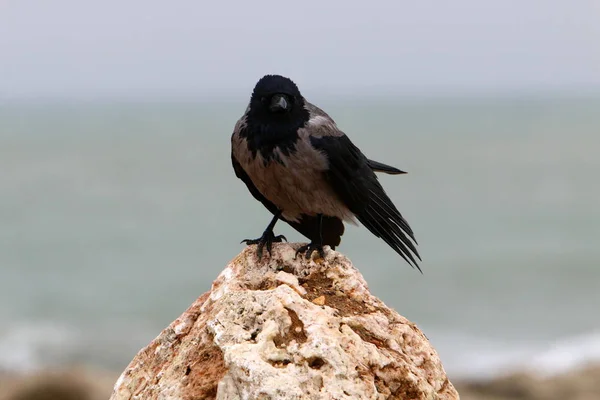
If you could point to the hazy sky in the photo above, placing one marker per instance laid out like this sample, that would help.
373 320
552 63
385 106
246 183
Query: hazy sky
107 48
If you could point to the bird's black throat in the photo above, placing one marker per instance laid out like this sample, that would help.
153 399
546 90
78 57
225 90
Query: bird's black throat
266 133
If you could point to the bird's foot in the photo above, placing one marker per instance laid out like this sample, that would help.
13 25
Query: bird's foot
267 239
310 248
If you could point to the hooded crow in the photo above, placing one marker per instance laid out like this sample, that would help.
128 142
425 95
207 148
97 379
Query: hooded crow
296 161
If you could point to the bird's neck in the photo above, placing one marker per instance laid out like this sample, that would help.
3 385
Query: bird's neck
266 139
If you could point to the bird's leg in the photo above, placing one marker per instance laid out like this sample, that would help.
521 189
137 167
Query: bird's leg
314 245
267 238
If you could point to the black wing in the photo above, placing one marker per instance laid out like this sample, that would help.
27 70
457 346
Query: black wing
381 167
332 227
351 176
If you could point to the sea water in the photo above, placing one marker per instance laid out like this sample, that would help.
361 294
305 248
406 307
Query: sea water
115 216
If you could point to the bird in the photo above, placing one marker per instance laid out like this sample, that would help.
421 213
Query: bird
295 160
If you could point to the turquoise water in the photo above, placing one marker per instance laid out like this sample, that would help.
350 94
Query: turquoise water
114 217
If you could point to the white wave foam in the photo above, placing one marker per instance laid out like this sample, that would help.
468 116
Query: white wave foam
23 346
567 354
480 358
26 346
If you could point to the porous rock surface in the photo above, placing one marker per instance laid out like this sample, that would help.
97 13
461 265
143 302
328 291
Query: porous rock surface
286 328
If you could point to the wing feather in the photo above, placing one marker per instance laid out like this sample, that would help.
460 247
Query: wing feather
351 176
381 167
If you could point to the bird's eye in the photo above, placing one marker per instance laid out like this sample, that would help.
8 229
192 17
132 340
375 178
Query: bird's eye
264 100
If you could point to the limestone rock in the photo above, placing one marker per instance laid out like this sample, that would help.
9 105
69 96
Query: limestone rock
286 328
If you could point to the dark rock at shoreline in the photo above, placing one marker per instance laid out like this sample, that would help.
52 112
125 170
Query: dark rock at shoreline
71 384
581 384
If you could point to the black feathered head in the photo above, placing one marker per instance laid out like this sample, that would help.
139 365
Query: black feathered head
276 112
277 98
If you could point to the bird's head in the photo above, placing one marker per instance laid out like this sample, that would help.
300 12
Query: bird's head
277 100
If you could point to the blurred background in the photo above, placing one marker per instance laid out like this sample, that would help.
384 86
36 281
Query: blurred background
119 206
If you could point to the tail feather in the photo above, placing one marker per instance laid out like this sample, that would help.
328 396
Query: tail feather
382 218
381 167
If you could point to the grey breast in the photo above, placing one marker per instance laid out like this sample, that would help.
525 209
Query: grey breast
297 184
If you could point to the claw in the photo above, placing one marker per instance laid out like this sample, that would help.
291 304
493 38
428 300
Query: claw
309 249
267 239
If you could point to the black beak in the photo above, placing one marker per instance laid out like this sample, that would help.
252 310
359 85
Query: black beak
279 103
